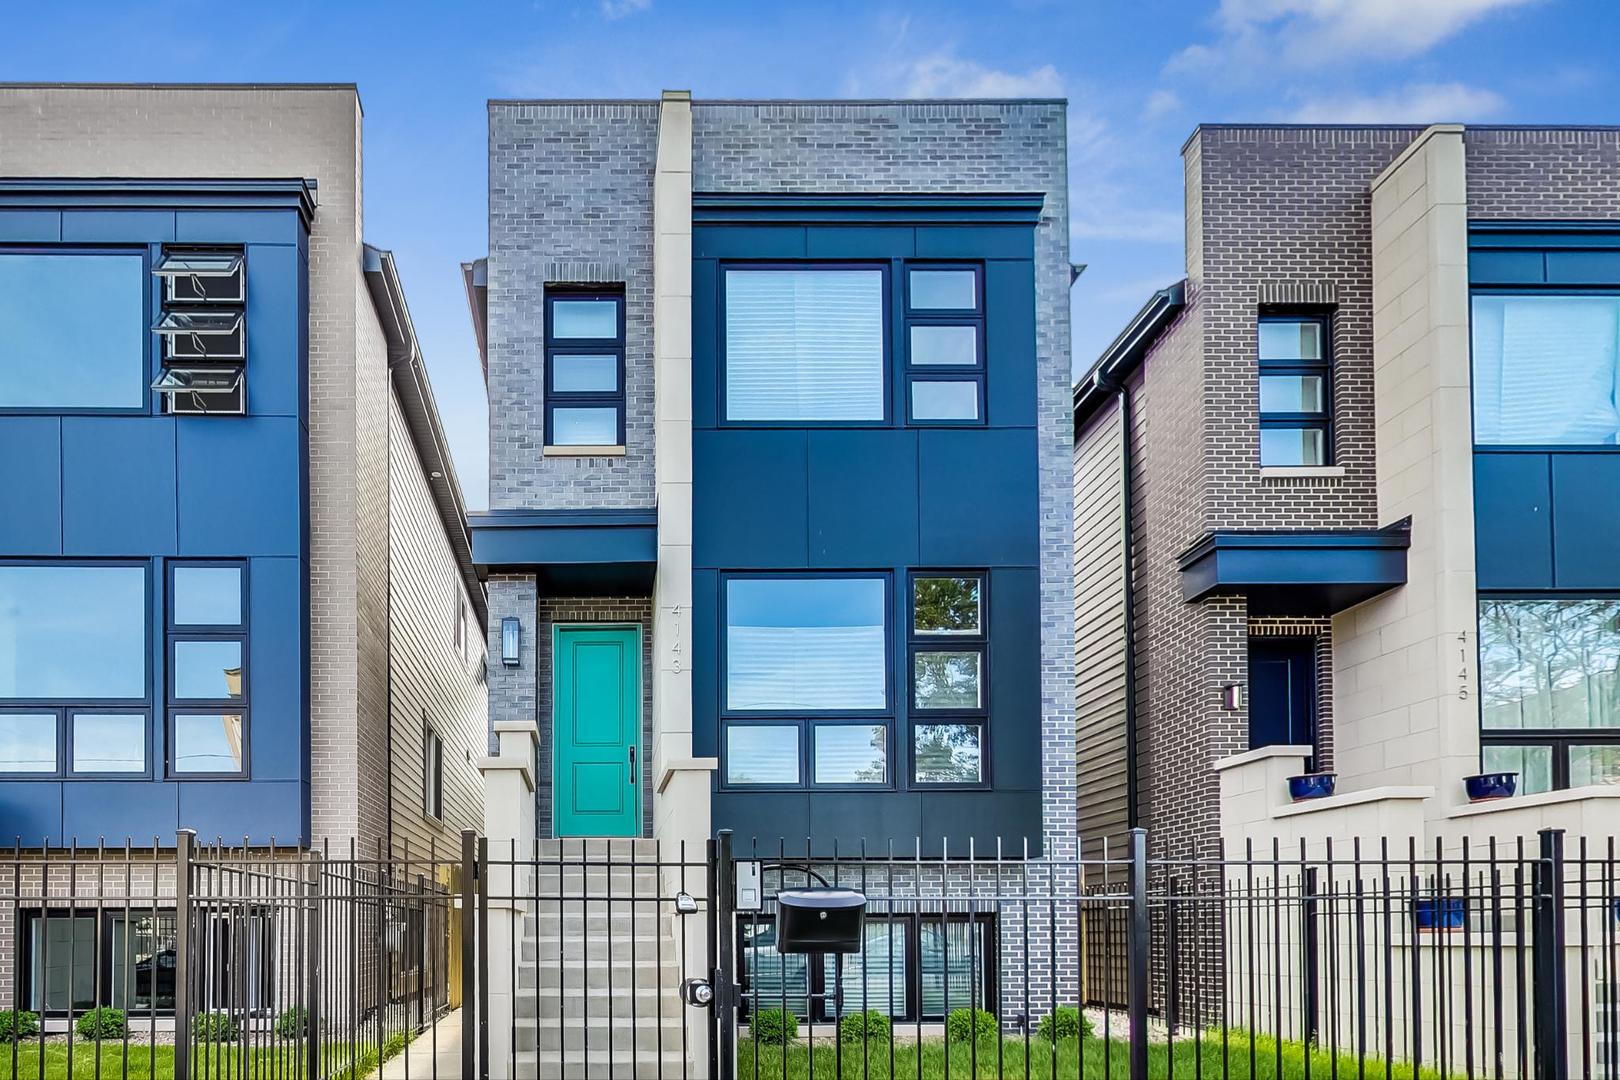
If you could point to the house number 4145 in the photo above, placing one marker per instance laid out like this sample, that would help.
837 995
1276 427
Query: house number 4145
1462 665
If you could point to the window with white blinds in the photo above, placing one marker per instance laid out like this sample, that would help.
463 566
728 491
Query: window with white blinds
804 344
1546 370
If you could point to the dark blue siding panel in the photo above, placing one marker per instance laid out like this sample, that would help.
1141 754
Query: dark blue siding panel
1586 521
706 662
276 689
978 503
236 227
239 491
30 226
1015 678
1583 267
749 510
1006 817
138 809
1010 343
1506 267
856 242
705 328
863 498
1513 521
850 819
117 226
976 242
767 817
31 812
231 810
118 494
272 327
749 242
31 494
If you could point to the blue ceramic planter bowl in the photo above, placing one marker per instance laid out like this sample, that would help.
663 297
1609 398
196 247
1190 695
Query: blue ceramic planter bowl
1441 913
1498 785
1312 785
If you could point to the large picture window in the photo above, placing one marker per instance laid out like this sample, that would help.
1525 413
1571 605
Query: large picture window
1545 369
73 632
73 331
806 644
1550 690
1295 391
805 344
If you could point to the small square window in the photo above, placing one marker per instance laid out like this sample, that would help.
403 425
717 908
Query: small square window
944 400
850 753
28 742
947 679
947 754
1292 394
762 754
1286 446
584 373
207 742
944 345
584 427
1291 339
109 742
944 290
207 671
945 605
592 319
207 596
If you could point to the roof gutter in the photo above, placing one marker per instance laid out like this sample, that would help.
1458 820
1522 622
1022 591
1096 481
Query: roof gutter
1126 351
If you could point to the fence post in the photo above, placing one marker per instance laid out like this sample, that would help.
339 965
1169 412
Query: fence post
469 954
725 997
312 968
483 969
1140 958
1551 991
1310 946
184 952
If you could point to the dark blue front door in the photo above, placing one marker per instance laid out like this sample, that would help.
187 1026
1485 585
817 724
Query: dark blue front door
1282 691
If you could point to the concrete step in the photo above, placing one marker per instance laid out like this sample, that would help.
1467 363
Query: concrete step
600 975
553 949
554 1066
602 850
597 1002
624 1038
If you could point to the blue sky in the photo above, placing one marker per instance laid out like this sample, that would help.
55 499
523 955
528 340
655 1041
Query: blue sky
1139 74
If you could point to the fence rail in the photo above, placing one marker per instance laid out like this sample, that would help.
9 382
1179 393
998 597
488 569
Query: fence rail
563 958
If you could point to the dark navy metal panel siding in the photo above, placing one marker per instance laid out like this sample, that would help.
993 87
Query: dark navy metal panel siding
118 485
1586 520
888 498
1513 521
30 226
31 494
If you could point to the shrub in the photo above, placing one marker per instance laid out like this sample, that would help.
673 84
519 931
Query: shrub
868 1026
1064 1022
213 1027
17 1024
102 1023
775 1026
293 1023
977 1025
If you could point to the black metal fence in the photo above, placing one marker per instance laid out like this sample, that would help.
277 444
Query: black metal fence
627 958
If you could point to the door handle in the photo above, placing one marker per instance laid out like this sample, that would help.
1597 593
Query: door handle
632 766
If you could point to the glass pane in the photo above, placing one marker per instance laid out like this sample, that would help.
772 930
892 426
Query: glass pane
951 958
207 742
946 680
1291 393
73 632
762 754
875 977
584 373
775 981
1289 340
947 754
1292 446
585 427
143 967
945 345
27 742
956 400
208 596
944 290
850 753
1549 663
585 319
1594 765
51 355
1545 369
804 345
1532 763
62 962
945 605
806 643
109 742
207 670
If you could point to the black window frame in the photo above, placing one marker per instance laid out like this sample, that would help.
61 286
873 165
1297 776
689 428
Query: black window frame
1322 368
104 918
821 996
974 317
432 769
1559 740
806 720
587 399
938 641
175 633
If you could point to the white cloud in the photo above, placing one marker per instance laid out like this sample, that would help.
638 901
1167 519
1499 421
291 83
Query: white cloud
620 9
1161 103
944 75
1420 103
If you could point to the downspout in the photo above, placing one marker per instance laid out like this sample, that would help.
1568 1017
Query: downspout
1127 467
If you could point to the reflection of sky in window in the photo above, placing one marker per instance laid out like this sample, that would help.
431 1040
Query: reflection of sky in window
109 742
1545 369
207 743
73 632
207 670
803 643
51 355
762 754
207 596
27 742
849 753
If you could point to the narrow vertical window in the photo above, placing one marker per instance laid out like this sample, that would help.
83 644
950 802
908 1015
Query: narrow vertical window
1296 422
584 369
432 773
208 669
948 670
945 344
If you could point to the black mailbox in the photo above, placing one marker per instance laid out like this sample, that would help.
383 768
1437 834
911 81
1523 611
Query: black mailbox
820 920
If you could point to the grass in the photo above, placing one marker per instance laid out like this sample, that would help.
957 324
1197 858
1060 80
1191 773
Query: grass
223 1062
1073 1060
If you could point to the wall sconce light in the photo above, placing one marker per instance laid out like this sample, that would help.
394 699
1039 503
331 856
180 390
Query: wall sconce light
511 639
1232 697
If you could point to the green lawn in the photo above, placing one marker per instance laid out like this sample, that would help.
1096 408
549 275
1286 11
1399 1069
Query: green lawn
1190 1061
211 1063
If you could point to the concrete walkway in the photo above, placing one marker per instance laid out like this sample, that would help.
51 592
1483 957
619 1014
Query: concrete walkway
432 1055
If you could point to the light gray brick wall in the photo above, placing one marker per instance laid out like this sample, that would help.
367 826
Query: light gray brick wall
570 201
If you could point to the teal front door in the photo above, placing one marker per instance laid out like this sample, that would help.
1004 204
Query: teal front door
596 731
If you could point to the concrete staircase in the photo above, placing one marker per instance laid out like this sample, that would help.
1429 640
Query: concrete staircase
598 970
